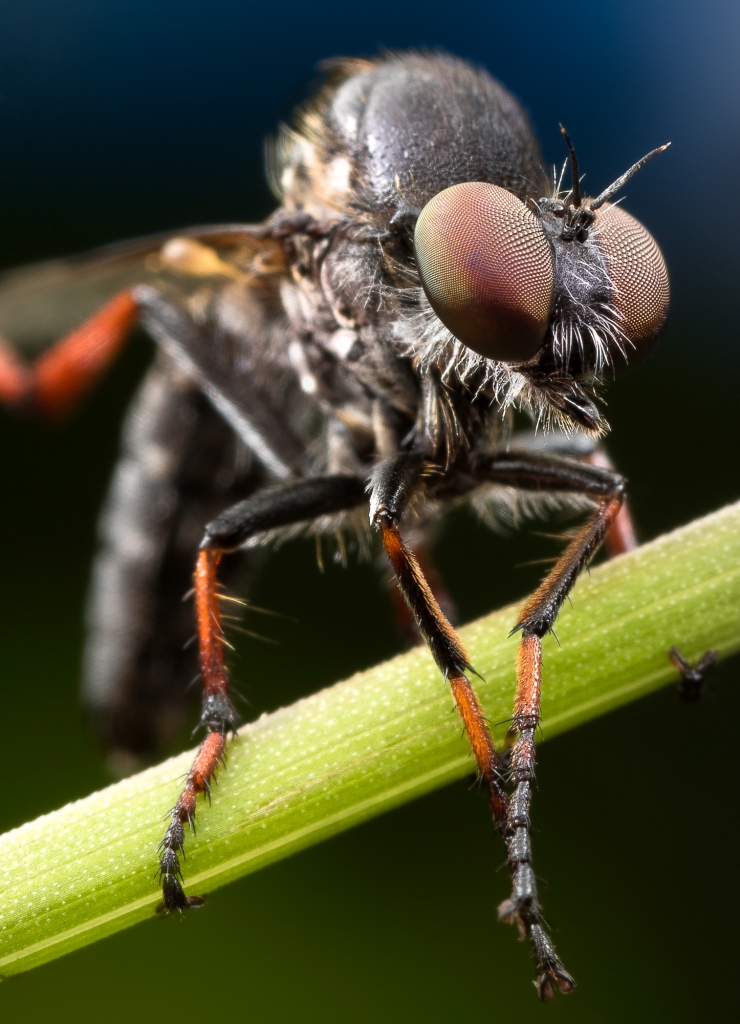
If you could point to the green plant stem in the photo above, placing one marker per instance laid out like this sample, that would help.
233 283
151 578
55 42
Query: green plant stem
363 746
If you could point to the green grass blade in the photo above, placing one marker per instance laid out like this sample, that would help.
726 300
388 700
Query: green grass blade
363 746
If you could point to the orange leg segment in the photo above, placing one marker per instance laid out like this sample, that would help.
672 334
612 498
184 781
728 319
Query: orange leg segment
53 385
479 734
621 536
218 717
15 377
451 657
62 375
208 615
402 612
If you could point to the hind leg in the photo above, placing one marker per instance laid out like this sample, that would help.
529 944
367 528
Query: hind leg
54 383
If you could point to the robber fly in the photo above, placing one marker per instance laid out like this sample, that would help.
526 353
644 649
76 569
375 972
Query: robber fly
364 352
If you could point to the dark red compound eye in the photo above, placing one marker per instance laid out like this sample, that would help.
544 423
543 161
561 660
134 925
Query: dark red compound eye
487 269
639 276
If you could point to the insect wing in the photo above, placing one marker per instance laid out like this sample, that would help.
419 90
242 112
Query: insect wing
42 302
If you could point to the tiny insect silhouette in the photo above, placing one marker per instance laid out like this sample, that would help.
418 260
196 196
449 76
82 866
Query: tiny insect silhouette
374 348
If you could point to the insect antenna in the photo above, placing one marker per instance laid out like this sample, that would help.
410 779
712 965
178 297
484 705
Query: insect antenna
575 198
624 178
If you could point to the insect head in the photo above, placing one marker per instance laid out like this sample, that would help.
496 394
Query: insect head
565 284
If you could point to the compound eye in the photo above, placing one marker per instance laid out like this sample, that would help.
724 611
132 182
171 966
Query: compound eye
639 277
487 269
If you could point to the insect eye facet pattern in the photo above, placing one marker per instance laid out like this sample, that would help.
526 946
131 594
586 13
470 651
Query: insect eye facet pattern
427 320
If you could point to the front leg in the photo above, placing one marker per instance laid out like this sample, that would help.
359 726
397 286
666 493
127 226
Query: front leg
394 484
300 501
546 473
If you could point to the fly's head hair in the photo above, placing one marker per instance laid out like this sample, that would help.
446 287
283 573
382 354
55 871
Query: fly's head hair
539 300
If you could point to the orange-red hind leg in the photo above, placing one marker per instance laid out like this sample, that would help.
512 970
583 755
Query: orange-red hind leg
54 384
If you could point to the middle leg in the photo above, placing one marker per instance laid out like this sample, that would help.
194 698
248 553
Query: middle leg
300 501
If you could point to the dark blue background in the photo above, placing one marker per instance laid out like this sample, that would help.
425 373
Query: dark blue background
123 117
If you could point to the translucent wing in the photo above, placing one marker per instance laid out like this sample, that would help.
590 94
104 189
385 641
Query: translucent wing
41 302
